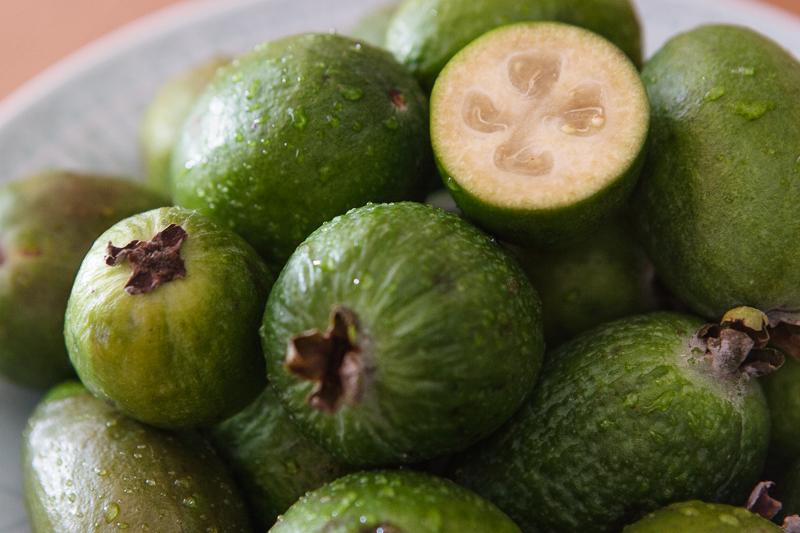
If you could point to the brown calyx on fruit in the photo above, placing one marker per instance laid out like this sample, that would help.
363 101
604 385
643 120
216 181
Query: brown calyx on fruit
398 100
761 503
791 524
785 331
738 344
332 360
154 262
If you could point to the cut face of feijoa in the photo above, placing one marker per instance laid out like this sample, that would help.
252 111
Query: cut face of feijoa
538 130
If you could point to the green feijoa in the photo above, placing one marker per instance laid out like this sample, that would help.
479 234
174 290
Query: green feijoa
601 278
700 517
628 417
398 333
393 502
47 223
299 131
539 131
718 203
87 467
782 390
273 461
371 28
163 319
163 120
425 34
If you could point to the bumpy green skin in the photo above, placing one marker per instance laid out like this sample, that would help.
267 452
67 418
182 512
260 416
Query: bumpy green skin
164 118
450 329
47 223
602 278
185 354
699 517
718 200
398 502
273 461
789 490
299 131
425 34
373 26
782 390
87 467
556 226
624 420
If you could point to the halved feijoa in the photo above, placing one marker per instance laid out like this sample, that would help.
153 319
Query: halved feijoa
393 502
274 462
627 417
163 319
539 130
399 332
48 222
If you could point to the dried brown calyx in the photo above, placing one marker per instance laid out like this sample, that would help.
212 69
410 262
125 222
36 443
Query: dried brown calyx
154 262
761 503
785 331
739 344
333 360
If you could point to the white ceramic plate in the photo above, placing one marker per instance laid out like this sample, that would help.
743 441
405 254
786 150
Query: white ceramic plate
83 113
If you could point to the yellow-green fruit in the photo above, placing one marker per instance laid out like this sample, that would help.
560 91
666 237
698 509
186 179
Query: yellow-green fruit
700 517
163 319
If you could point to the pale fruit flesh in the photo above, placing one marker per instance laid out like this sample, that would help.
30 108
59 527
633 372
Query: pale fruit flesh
535 116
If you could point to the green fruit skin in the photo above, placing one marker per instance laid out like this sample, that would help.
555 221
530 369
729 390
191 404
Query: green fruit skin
273 461
699 517
394 501
782 390
273 157
425 34
625 419
558 226
87 467
163 120
789 489
602 278
185 354
47 223
372 27
450 329
717 205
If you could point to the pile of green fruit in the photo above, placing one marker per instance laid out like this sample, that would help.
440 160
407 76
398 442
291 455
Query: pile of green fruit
276 332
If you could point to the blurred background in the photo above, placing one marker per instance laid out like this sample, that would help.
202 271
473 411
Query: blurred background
37 33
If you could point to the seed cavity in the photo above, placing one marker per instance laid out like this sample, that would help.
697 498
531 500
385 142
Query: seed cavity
480 113
584 113
524 160
534 73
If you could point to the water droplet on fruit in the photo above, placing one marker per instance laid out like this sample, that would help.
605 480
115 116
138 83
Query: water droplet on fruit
753 110
714 94
391 123
452 184
356 281
150 482
110 512
744 71
72 497
352 94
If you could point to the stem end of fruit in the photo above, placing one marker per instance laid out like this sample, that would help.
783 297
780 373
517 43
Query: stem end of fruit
332 360
154 262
